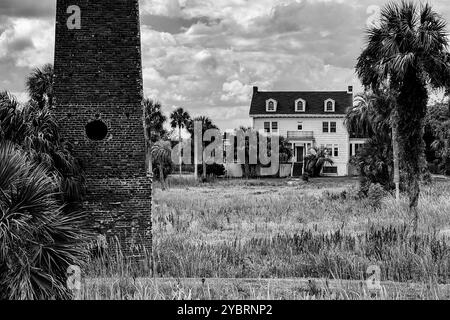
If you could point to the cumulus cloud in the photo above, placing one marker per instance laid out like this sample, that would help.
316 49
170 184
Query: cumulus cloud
27 8
28 42
236 91
205 55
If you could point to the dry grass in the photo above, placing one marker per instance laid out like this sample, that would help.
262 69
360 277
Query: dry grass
253 289
283 229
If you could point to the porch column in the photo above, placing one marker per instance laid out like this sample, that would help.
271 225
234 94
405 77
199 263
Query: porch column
293 159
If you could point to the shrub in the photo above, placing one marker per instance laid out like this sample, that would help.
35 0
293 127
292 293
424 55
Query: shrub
376 194
305 177
316 160
375 161
215 169
167 170
38 241
35 129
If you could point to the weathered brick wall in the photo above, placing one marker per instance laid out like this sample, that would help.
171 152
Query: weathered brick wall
101 62
121 153
98 76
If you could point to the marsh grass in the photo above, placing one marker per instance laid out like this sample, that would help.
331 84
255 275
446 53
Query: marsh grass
252 289
279 230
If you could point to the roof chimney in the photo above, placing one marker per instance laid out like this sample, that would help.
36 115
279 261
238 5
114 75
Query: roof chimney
255 90
350 90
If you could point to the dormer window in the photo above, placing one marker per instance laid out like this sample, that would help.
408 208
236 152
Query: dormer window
271 105
300 105
329 105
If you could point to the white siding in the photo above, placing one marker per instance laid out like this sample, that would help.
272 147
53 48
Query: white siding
340 138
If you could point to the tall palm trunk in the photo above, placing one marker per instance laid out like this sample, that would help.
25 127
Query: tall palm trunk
196 156
179 141
396 156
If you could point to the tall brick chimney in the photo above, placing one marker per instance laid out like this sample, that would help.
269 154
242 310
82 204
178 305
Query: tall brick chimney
98 98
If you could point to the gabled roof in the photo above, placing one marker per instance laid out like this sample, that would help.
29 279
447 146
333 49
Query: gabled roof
286 101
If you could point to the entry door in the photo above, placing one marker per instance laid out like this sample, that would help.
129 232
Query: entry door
299 158
300 154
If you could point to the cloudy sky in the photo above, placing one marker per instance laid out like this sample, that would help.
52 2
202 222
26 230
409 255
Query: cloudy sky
205 55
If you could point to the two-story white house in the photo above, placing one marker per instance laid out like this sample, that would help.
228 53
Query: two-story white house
308 119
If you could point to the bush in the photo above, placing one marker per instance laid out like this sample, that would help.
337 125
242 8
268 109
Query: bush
215 169
374 162
376 194
167 170
305 177
38 241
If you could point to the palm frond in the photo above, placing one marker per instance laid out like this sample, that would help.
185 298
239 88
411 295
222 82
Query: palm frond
38 241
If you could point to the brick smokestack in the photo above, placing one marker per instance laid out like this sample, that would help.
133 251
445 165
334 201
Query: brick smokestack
98 104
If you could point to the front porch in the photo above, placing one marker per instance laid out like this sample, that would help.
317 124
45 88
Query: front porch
301 142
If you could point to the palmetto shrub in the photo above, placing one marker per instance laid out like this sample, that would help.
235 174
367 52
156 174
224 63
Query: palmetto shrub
316 160
376 194
38 241
35 129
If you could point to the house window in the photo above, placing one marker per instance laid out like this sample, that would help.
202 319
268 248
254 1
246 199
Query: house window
329 127
274 126
329 105
267 127
333 127
271 105
336 150
330 170
300 126
300 105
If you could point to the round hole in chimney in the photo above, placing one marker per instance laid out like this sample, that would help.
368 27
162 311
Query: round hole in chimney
96 130
97 115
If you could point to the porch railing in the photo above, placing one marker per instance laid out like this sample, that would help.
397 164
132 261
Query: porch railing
300 135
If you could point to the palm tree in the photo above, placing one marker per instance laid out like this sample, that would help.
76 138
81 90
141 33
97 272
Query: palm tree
38 241
372 114
161 153
40 85
154 120
361 116
316 160
438 128
207 124
248 148
408 51
179 119
12 122
441 145
35 129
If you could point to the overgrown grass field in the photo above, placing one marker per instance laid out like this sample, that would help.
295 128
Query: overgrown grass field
280 229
